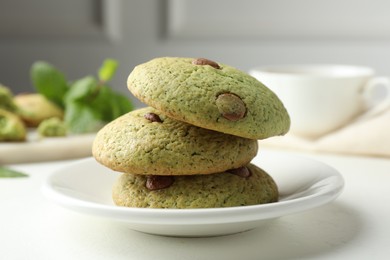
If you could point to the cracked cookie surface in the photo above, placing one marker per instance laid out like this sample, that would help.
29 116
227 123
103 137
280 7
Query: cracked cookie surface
210 95
197 191
145 141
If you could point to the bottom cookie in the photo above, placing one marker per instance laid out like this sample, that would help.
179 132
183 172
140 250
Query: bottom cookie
245 186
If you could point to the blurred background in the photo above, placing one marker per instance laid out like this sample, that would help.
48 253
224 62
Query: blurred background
76 36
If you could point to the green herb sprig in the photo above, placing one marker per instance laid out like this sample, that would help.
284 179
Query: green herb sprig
89 102
9 173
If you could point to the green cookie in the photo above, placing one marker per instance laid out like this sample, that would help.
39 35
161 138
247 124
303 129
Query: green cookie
210 95
11 127
145 141
197 191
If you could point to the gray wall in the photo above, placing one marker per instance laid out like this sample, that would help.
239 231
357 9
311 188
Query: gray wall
77 35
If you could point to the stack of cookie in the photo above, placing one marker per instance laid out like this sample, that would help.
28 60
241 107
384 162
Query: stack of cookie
193 146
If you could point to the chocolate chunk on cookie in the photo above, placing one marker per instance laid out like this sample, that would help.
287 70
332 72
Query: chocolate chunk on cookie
231 106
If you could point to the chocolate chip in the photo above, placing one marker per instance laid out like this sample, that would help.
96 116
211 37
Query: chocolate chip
243 172
203 61
231 106
157 182
152 117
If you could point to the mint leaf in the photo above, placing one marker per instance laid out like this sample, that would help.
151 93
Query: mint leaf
81 118
110 104
8 173
124 104
82 89
103 104
49 82
107 70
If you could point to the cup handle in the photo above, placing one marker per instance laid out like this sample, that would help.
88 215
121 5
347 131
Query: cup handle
373 105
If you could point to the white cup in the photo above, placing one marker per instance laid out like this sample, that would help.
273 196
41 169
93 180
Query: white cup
322 98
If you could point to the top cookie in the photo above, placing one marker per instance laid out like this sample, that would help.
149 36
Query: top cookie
210 95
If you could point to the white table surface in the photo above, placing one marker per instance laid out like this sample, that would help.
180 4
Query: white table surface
354 226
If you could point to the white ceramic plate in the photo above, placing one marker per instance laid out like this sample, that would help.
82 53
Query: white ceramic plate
85 186
36 149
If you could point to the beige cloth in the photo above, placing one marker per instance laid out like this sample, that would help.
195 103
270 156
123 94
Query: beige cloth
369 137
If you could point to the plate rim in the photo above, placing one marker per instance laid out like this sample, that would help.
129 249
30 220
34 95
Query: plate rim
200 216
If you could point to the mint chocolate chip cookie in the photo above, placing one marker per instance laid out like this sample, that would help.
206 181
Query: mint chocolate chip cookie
210 95
226 189
146 141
